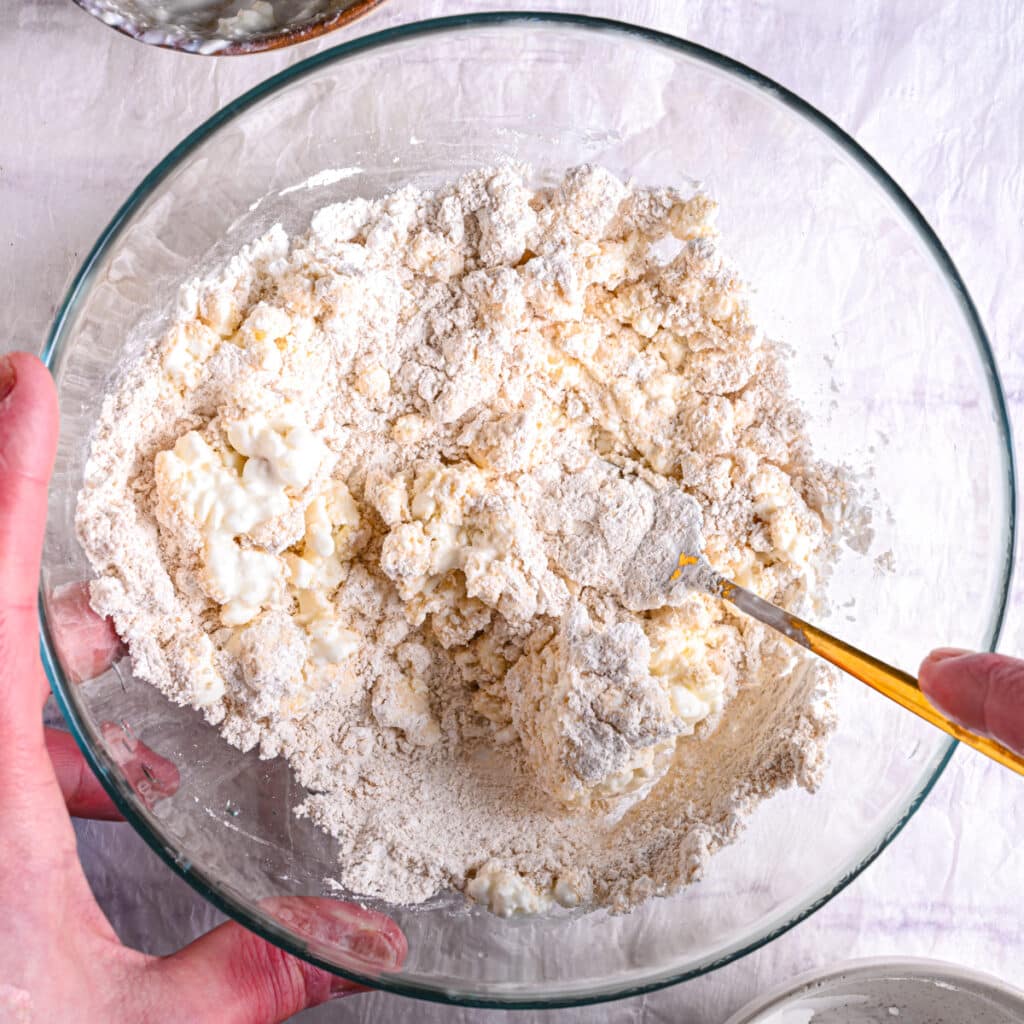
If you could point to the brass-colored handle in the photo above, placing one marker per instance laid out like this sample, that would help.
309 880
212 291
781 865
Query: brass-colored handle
898 686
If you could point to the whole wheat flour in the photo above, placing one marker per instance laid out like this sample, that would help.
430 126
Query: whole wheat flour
399 500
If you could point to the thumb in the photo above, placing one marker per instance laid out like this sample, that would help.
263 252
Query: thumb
231 976
983 692
28 439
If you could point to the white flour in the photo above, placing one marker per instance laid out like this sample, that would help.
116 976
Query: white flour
399 500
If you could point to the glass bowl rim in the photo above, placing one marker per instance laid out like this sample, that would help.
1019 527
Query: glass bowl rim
257 921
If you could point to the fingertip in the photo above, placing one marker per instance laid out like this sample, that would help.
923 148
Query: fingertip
152 776
84 797
366 940
945 653
931 677
948 679
28 443
86 644
28 415
983 692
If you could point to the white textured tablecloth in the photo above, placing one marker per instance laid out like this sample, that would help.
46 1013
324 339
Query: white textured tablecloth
935 91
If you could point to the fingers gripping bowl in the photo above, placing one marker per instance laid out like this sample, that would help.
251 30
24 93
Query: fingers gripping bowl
888 361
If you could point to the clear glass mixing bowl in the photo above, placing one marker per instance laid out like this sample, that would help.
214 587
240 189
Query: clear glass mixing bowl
889 359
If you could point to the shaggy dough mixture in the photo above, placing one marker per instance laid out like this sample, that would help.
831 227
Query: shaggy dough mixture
399 499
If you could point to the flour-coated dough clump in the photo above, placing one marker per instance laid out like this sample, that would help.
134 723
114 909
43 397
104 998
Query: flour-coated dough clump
400 498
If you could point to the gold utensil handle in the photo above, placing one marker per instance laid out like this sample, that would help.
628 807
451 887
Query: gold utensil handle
898 686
